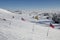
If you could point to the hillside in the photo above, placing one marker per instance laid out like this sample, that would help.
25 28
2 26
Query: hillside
17 29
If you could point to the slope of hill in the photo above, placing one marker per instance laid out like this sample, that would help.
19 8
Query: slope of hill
4 11
24 30
5 14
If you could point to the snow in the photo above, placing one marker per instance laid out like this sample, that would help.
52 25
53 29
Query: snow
17 29
4 11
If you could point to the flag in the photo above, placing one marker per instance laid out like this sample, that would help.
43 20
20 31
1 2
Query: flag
51 25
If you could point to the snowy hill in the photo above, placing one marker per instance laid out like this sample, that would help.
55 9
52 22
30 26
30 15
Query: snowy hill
5 14
4 11
17 29
23 30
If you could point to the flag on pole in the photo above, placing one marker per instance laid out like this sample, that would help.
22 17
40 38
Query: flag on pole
51 25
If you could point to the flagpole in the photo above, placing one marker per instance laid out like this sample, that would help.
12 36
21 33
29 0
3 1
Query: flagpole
48 31
33 27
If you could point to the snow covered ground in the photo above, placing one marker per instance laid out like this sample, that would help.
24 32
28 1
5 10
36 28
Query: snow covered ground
17 29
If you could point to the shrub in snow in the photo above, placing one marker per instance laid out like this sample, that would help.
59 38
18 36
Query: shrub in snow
23 19
13 17
36 17
56 18
4 19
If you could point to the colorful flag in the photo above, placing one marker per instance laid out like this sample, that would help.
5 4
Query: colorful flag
51 25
